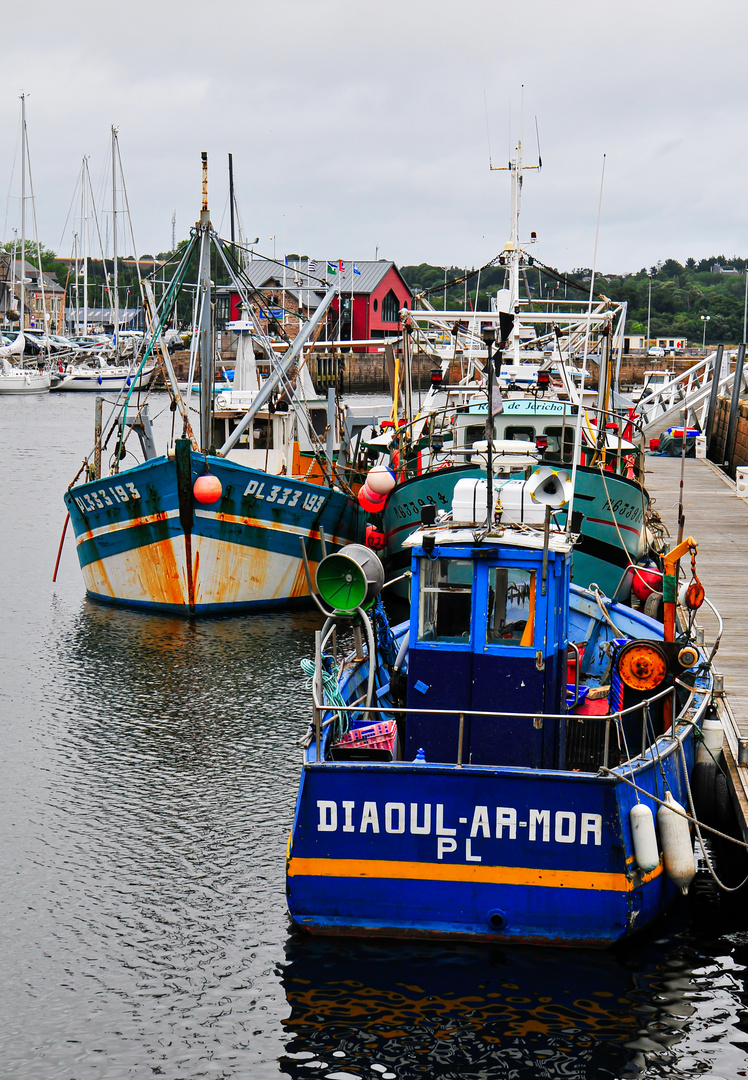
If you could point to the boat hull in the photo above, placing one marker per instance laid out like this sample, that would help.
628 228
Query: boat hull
103 381
25 382
612 531
143 541
500 854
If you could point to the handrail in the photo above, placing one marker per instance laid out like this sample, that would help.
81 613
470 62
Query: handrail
503 713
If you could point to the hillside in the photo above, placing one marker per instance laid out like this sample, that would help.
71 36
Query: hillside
680 294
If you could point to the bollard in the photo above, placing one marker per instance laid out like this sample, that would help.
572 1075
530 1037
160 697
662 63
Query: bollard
743 752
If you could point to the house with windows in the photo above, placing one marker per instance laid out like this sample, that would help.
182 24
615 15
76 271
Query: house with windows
671 343
42 291
369 298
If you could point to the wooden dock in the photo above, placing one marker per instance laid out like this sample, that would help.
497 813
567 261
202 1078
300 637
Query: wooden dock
718 520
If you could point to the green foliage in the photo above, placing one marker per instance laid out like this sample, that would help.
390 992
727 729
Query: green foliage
48 258
680 294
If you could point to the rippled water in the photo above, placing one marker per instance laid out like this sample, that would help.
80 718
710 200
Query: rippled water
147 782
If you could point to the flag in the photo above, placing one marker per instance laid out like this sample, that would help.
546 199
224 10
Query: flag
497 404
331 269
341 266
311 266
356 269
285 260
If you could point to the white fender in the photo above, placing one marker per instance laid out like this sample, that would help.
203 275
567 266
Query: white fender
676 844
711 729
643 834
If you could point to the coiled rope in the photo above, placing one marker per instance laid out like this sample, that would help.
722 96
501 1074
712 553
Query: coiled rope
331 695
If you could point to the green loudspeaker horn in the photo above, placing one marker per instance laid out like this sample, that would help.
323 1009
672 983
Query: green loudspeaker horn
350 578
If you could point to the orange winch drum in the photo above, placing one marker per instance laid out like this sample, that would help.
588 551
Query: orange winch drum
642 665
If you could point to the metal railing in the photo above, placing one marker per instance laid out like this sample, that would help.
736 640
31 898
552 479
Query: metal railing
324 714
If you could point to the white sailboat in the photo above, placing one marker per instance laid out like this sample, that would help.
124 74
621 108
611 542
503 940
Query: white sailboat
103 370
15 378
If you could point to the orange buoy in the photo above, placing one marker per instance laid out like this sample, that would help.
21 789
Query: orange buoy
207 488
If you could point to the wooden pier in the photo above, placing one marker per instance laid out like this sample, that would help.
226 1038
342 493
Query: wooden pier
718 520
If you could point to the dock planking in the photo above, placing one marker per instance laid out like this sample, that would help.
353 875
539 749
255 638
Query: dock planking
718 521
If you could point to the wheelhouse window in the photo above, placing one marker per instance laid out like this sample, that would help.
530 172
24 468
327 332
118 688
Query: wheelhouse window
262 434
555 436
511 606
520 434
446 600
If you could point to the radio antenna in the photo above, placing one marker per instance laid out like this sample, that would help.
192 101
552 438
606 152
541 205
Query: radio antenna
537 136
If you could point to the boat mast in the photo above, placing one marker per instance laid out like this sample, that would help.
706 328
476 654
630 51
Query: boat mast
512 254
513 247
85 181
205 317
114 243
23 212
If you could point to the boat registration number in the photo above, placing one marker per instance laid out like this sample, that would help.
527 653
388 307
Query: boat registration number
284 496
624 509
413 508
111 495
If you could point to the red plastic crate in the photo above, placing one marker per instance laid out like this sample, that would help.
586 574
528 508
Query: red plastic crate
379 736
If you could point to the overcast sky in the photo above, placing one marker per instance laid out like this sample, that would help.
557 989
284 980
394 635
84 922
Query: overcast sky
360 127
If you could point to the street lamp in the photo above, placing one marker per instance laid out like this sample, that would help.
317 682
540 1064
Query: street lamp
705 319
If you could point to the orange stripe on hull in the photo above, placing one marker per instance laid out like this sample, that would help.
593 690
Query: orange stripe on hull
490 875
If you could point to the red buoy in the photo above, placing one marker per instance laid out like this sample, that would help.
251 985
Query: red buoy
207 488
371 502
645 582
375 538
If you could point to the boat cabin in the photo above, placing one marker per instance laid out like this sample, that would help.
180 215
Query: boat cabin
488 632
533 420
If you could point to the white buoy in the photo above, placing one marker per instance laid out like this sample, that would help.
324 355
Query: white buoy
644 837
676 843
381 480
711 747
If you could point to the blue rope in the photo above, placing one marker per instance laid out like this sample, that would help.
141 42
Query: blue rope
386 643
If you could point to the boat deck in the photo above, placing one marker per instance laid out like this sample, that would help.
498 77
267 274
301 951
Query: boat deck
718 521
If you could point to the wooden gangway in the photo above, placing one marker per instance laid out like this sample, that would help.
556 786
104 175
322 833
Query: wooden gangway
718 520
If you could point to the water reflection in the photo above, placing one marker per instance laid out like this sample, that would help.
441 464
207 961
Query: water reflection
424 1010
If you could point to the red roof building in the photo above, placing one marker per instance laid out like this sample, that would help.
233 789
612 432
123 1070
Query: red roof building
370 297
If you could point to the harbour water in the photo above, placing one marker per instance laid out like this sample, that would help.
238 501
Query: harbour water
148 772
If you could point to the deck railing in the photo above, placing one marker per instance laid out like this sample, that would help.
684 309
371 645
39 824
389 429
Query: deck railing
688 714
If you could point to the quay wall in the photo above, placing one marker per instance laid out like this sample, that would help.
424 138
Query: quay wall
719 436
367 372
350 372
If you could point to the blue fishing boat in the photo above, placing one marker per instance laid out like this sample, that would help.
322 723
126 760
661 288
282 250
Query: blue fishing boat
493 768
